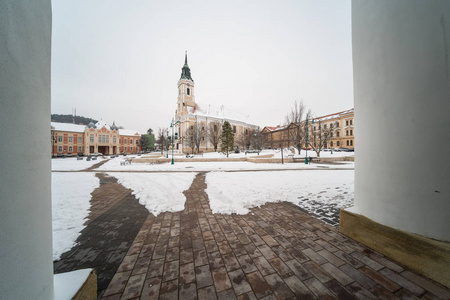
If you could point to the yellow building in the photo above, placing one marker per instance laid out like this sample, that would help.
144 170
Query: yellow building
334 130
72 139
201 124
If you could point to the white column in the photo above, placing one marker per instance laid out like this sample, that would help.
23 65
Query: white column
401 65
26 269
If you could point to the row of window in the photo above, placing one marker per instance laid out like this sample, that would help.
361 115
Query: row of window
60 139
60 149
349 143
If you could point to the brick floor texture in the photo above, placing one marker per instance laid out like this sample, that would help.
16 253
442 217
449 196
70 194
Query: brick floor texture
276 251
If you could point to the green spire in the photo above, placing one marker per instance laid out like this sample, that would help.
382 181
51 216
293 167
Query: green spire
185 71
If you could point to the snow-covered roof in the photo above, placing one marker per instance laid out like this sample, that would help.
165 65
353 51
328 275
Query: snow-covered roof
128 132
335 115
69 127
219 112
100 124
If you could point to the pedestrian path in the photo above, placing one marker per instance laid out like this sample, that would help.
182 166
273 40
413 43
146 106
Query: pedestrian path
275 252
115 219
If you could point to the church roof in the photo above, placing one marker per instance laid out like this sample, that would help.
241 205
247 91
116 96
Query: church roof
218 112
185 71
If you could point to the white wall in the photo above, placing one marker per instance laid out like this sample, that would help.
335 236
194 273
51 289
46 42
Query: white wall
26 269
401 67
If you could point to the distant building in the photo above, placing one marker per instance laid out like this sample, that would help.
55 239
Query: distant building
206 120
339 125
73 139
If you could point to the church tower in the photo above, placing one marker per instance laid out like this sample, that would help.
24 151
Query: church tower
186 96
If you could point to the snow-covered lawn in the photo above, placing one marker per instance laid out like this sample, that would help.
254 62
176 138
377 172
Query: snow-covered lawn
158 192
72 164
236 192
71 195
114 165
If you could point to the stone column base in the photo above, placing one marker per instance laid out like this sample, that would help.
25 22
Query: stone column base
426 256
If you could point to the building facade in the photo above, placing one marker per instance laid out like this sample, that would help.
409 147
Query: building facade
338 128
73 139
201 124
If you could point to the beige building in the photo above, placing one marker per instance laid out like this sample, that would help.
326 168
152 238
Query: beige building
72 139
339 128
203 123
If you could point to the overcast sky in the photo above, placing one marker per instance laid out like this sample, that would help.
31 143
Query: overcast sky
121 60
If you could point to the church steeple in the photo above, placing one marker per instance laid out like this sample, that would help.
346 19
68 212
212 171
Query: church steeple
185 71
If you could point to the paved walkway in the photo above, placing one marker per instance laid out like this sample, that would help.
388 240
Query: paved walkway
115 219
275 252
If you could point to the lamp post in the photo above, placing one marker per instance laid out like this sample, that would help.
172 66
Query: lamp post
172 138
306 145
53 144
167 144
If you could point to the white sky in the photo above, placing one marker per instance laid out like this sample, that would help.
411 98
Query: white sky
121 60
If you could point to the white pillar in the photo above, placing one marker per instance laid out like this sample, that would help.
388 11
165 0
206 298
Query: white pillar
26 269
401 65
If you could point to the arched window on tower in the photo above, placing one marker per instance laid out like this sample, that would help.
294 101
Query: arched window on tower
188 91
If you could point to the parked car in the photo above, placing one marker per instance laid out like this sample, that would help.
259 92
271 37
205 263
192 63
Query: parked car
96 154
343 149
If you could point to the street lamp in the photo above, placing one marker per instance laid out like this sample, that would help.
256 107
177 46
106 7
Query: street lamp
306 144
53 144
172 124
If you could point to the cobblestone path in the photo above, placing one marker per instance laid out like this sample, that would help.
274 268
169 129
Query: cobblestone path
275 252
114 221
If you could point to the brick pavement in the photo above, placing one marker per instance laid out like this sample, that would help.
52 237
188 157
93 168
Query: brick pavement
275 252
113 223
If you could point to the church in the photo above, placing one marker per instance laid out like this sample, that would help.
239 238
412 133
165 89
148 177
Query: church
196 121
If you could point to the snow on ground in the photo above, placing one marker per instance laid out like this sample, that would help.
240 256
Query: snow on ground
114 165
71 195
72 164
312 190
158 192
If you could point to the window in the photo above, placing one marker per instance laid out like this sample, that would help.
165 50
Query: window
188 91
351 132
314 127
246 131
70 139
59 149
325 127
346 132
348 143
92 138
351 122
131 142
60 138
70 149
203 138
331 134
114 139
192 127
338 144
215 127
337 125
79 149
125 148
337 134
80 139
331 125
103 138
234 129
131 149
346 123
107 139
351 142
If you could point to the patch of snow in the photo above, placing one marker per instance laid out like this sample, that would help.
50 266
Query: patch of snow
67 127
158 192
71 195
72 164
238 191
66 285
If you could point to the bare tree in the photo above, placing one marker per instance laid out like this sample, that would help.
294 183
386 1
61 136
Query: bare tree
320 134
199 134
161 138
194 136
189 140
215 134
296 130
